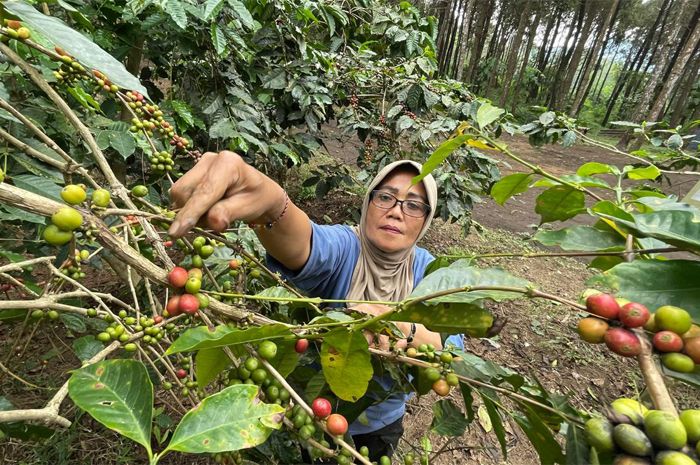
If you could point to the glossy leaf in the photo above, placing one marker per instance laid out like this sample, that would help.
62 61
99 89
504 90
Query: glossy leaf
448 419
346 363
487 114
692 378
232 419
582 181
657 282
679 228
86 347
208 363
440 154
77 45
461 274
577 448
559 203
118 394
584 238
540 436
647 172
203 338
495 418
593 167
448 317
509 186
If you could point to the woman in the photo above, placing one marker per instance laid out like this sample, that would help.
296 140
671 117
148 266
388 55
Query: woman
376 261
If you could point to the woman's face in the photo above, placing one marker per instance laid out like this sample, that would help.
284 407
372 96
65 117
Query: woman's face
392 230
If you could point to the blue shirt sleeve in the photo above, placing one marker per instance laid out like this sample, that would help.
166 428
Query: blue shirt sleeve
328 270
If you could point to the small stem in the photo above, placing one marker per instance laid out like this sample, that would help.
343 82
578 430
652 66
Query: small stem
314 300
536 169
563 254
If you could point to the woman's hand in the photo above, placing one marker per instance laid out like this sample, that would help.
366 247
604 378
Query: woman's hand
220 189
422 335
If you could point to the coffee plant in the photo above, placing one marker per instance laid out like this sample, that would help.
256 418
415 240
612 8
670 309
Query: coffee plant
203 322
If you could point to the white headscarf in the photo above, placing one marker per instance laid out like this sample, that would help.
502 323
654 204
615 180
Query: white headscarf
387 276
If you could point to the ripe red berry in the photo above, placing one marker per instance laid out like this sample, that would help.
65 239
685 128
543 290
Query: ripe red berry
337 424
189 304
668 341
173 306
301 345
177 277
603 305
181 373
168 243
321 407
157 319
634 315
623 342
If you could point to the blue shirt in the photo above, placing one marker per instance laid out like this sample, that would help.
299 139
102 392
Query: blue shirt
327 274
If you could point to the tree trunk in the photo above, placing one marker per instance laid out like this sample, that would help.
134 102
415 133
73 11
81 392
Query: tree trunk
565 55
662 58
687 31
677 69
563 90
526 57
622 81
598 48
480 34
603 78
681 101
514 51
463 40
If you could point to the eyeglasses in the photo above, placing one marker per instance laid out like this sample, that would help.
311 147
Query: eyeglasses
386 201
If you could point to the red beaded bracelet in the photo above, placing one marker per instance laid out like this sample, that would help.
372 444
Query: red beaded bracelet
272 223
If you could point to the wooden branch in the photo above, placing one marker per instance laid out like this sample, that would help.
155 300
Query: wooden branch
32 152
39 205
116 186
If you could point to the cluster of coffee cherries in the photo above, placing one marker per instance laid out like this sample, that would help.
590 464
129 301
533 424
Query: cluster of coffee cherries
117 331
15 30
633 434
675 336
442 379
72 268
191 300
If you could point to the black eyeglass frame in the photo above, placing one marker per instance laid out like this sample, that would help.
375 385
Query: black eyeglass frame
401 203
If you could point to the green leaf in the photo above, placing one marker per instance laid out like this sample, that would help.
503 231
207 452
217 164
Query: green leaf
577 449
448 420
568 139
584 238
582 181
440 154
487 114
592 167
547 118
403 123
176 11
278 292
211 8
38 185
218 38
559 203
86 347
21 430
495 417
540 436
123 143
208 363
509 186
657 282
77 45
346 363
83 98
243 13
462 274
74 322
184 111
286 359
676 227
232 419
118 394
448 317
202 338
648 172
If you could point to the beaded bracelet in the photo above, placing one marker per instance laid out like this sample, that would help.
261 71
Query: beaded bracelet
273 222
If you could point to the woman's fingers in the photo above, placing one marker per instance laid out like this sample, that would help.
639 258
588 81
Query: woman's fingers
211 188
184 187
229 209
